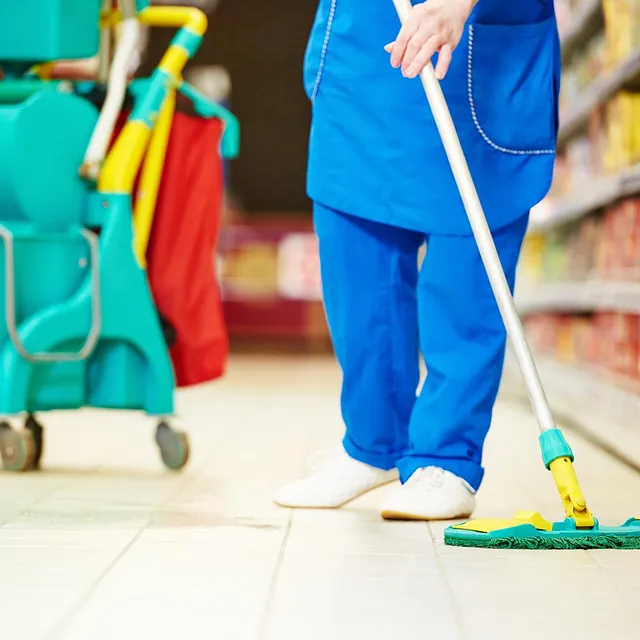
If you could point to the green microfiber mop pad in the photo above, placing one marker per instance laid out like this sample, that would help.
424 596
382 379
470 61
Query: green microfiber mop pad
564 535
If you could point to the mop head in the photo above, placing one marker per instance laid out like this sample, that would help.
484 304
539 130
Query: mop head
532 531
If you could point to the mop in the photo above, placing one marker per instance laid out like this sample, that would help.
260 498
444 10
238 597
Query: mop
527 530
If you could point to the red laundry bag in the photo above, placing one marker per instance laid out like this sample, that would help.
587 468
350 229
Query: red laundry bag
181 264
182 249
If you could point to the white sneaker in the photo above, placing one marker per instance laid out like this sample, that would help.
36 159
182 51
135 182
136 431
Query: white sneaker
338 481
430 494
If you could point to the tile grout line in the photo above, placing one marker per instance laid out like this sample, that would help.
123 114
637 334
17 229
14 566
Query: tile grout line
46 496
268 607
59 629
461 631
42 471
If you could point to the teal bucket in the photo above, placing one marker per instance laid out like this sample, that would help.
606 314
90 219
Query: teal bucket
40 30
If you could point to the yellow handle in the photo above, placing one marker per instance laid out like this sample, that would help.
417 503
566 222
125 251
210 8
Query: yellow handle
188 17
121 165
150 180
575 504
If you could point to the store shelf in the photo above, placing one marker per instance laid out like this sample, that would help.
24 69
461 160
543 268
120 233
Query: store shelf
581 297
596 195
587 22
604 408
575 117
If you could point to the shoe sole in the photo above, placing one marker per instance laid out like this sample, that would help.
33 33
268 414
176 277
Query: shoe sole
412 517
338 506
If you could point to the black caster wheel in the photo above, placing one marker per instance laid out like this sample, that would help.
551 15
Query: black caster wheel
17 449
37 433
174 446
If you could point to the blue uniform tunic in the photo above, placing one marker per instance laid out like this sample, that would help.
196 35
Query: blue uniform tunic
374 148
382 186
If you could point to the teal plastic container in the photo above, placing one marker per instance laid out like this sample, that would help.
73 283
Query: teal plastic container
44 205
43 141
42 202
33 31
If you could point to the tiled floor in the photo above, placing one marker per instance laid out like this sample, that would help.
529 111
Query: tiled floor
106 544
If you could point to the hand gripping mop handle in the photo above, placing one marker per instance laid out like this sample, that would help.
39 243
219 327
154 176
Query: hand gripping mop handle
483 237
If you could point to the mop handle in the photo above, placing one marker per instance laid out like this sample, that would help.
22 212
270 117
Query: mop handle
483 237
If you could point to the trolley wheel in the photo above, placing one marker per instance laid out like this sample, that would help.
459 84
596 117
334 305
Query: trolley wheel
17 449
173 445
37 433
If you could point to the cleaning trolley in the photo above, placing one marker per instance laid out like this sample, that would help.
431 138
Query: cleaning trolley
79 326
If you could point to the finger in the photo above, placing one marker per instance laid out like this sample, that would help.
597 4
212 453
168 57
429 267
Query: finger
444 60
423 57
389 47
407 32
400 47
415 46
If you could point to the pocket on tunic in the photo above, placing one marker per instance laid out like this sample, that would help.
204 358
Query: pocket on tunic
317 44
512 77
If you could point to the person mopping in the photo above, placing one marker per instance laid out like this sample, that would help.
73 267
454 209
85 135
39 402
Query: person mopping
381 186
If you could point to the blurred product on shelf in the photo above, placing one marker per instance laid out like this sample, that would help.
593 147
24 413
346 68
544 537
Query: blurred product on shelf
610 144
584 68
610 141
621 240
622 29
605 246
622 132
605 341
270 279
580 268
575 15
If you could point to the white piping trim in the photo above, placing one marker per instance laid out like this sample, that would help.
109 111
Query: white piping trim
474 115
325 47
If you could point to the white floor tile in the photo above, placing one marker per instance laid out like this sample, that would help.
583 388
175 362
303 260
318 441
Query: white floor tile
104 543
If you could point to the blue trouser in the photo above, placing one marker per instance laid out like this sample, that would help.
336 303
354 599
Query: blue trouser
382 310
